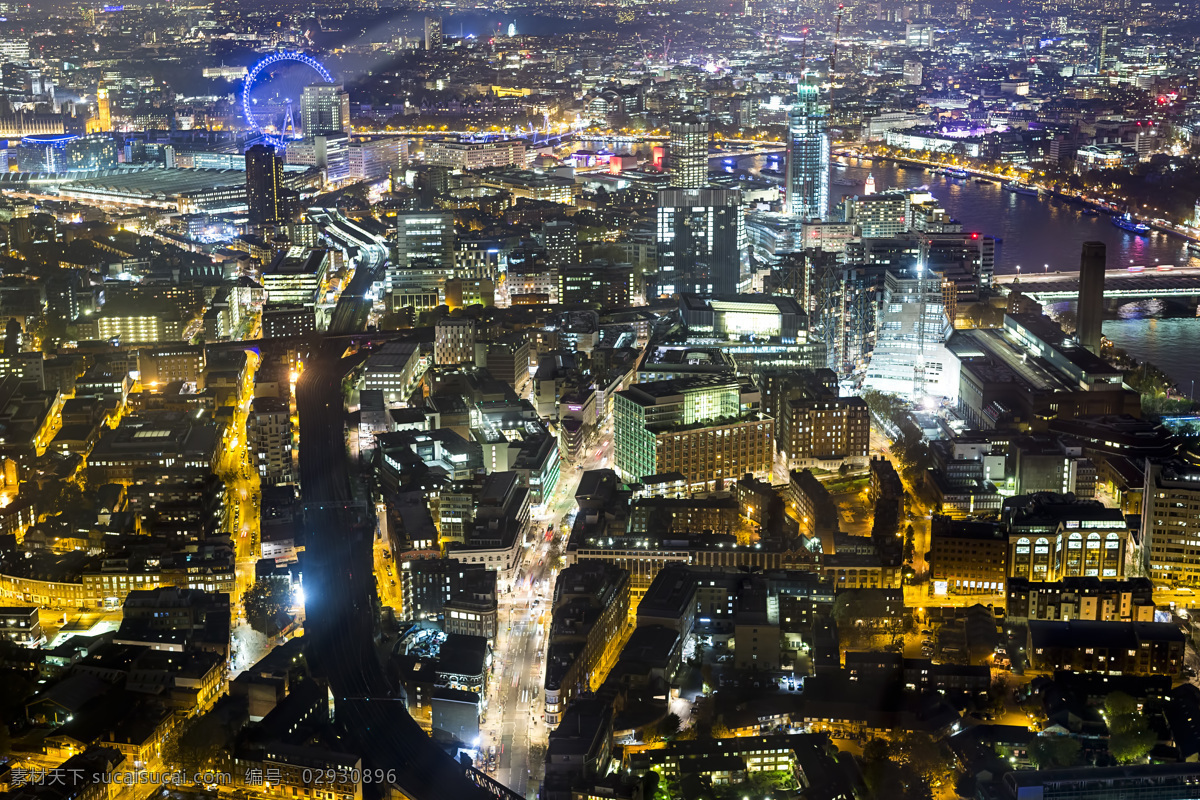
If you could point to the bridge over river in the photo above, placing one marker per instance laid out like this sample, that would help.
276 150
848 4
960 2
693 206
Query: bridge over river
1130 283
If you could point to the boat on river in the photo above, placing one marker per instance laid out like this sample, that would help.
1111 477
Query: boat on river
1021 188
1127 222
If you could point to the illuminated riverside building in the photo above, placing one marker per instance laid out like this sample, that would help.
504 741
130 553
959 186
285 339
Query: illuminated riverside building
878 215
459 154
708 429
807 191
324 109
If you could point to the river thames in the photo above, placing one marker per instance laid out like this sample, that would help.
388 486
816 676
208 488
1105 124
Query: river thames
1036 232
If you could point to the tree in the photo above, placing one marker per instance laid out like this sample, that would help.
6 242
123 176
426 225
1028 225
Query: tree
266 604
1047 752
193 747
1132 746
887 773
857 605
1130 736
997 695
1119 705
922 753
668 726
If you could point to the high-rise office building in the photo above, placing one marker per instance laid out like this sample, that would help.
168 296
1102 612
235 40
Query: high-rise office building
264 183
687 154
1106 55
324 109
14 51
330 153
1090 313
700 237
424 236
910 357
914 72
433 33
807 192
560 238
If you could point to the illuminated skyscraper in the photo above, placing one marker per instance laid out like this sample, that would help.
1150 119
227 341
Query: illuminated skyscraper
264 184
1106 57
700 238
808 154
433 33
324 109
687 154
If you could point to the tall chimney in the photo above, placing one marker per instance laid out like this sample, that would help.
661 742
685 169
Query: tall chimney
1090 313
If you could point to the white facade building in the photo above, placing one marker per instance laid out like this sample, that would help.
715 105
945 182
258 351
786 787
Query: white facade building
910 357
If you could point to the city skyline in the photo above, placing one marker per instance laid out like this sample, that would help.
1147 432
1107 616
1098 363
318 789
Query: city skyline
570 401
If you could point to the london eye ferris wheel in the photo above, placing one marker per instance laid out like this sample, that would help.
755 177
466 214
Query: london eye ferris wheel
265 125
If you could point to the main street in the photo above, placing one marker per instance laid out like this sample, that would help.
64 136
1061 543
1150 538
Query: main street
515 721
243 494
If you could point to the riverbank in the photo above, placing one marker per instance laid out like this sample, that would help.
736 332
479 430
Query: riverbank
1109 209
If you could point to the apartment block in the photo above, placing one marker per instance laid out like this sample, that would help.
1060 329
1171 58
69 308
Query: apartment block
269 436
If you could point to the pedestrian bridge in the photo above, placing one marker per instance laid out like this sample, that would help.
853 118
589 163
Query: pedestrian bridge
1131 283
